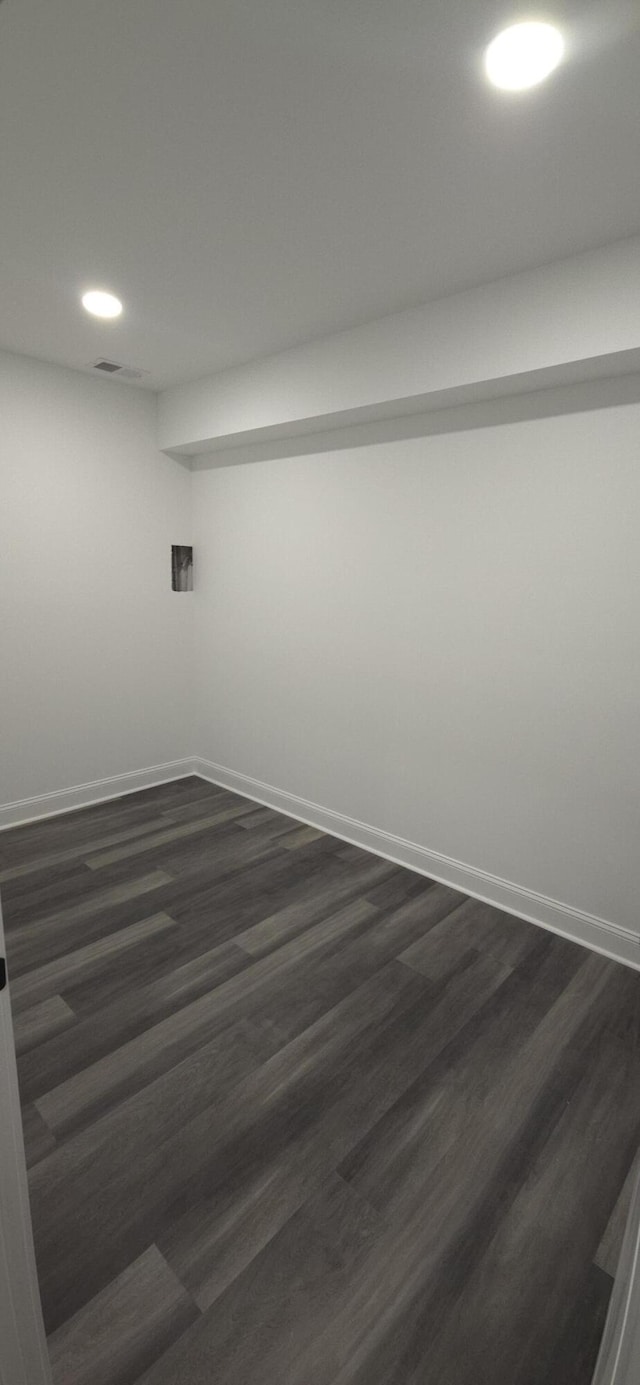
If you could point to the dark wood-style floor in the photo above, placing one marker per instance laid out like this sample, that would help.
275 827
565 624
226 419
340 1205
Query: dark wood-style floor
296 1116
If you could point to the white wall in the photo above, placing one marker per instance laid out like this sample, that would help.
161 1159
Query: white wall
95 649
440 637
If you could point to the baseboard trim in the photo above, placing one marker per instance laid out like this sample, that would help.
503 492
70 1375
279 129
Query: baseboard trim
47 805
598 934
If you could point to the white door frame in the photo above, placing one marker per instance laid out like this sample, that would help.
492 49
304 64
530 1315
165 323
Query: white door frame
23 1350
619 1359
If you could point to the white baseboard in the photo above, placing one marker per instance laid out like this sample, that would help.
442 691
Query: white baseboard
82 795
610 939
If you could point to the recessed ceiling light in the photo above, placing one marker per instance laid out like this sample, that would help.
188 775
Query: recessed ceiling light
523 55
101 304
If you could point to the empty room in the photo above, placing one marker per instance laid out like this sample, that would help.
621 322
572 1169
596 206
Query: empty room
320 664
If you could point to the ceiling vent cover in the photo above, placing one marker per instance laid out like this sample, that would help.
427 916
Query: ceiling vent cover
124 372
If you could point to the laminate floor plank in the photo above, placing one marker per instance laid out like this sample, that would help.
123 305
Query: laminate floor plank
472 924
295 1114
215 896
435 1111
30 894
108 1029
295 918
224 858
361 1063
322 980
161 1045
146 961
284 1297
104 1208
496 1318
436 1223
190 809
352 854
267 817
50 937
21 845
402 885
39 1140
158 959
213 1156
70 885
37 984
122 1330
271 831
301 836
211 854
209 912
42 1021
165 837
180 971
172 794
76 852
79 825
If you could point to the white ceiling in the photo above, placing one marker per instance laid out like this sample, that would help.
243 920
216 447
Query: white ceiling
249 174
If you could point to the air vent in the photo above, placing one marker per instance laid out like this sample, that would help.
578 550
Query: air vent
124 372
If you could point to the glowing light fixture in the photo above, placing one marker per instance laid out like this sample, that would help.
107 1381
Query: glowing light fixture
101 304
523 55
